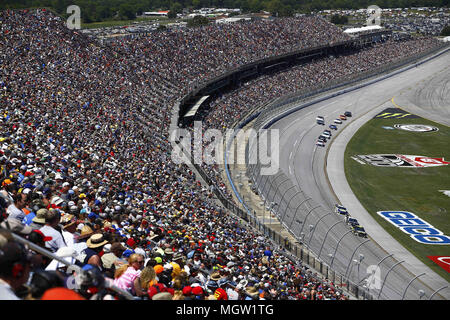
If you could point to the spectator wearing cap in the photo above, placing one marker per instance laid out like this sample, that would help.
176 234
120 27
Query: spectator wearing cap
15 210
41 281
61 293
158 288
220 294
198 292
64 191
14 270
112 260
92 254
158 269
52 219
124 276
39 220
39 261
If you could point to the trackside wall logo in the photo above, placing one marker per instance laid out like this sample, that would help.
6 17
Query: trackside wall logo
442 261
418 229
400 160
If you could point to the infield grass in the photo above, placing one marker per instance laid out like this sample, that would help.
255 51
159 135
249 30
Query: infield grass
404 189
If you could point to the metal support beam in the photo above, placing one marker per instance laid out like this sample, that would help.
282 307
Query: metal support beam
404 292
326 234
337 245
315 227
351 258
437 292
382 285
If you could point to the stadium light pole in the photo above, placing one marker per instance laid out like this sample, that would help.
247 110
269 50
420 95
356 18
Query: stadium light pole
357 247
421 294
409 283
385 277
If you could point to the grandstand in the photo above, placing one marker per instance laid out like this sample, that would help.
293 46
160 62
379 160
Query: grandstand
86 135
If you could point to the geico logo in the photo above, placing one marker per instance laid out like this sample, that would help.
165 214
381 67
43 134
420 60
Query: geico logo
418 229
435 239
396 214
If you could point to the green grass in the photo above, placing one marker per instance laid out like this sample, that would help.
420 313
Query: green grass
405 189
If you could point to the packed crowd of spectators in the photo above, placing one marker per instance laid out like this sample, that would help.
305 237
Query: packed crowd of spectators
232 106
86 169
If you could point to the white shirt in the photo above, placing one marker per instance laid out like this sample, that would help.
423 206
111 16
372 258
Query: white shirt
57 238
15 213
68 238
6 292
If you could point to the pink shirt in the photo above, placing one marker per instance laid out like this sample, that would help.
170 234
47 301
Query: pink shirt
125 281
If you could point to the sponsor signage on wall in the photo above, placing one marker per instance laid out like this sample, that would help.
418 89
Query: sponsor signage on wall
417 228
400 160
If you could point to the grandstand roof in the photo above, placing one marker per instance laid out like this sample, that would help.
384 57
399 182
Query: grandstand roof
194 109
361 29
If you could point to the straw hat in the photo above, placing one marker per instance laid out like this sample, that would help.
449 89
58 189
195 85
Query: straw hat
40 216
96 240
86 232
215 276
252 291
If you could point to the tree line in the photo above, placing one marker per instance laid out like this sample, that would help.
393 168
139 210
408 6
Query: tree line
101 10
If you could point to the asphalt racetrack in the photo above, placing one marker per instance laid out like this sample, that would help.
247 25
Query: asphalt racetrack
318 171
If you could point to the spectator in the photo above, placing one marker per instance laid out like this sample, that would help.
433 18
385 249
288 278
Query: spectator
52 219
124 276
92 254
15 210
14 270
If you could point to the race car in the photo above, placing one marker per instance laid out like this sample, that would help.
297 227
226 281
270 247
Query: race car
320 120
341 210
337 121
320 143
347 114
332 126
352 222
359 231
326 134
342 117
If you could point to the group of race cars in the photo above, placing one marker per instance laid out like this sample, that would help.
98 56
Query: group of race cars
326 134
352 222
323 138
